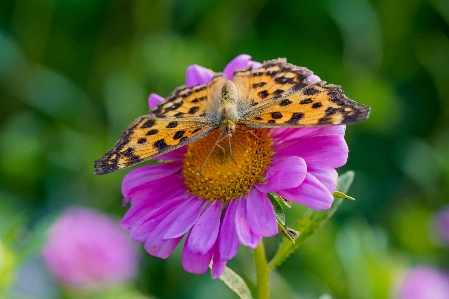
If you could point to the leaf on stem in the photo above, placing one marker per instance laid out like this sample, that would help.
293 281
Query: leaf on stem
311 221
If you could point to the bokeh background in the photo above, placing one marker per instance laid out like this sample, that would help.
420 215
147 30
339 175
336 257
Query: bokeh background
74 74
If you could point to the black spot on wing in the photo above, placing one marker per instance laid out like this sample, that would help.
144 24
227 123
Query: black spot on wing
306 101
196 130
194 109
152 132
263 94
179 134
285 102
284 80
310 91
172 124
148 124
276 115
160 145
173 107
295 118
141 140
316 105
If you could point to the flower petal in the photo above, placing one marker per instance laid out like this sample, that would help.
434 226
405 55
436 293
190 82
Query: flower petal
218 264
175 155
244 233
286 173
261 217
330 150
311 193
191 212
205 231
138 177
194 262
197 75
313 79
161 248
154 100
240 62
228 242
147 224
327 175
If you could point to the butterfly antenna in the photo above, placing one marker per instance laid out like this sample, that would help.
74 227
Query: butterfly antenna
208 155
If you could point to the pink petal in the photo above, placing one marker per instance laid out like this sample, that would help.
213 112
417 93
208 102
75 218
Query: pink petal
197 75
194 262
163 188
244 233
147 224
176 155
205 231
311 193
261 217
147 174
327 175
218 264
161 248
155 243
330 150
240 62
313 79
154 100
228 242
191 212
286 173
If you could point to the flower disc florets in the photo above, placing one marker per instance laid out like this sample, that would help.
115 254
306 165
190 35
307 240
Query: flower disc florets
225 176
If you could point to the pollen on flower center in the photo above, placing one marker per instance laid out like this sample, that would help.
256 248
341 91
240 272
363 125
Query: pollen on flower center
225 177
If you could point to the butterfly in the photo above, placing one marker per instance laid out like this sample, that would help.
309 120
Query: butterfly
276 95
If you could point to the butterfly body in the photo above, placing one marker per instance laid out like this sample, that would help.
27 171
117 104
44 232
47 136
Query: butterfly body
277 95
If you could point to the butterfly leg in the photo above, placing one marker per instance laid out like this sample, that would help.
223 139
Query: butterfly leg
230 149
208 155
251 132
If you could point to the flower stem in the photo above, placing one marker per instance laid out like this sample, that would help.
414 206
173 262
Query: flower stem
262 271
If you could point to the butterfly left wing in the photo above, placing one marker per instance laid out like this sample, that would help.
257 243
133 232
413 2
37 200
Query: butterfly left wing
314 105
148 137
190 101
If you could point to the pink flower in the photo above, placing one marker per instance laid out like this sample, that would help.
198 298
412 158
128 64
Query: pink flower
424 283
169 200
85 248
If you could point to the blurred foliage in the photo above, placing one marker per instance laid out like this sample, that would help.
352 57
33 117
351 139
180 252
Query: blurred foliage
73 74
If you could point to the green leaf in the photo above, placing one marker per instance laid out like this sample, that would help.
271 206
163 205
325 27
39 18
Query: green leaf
289 233
278 210
235 283
339 194
310 222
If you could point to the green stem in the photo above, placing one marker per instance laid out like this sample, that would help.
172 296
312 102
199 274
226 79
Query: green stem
262 271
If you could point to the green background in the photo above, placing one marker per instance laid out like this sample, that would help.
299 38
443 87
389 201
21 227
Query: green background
74 74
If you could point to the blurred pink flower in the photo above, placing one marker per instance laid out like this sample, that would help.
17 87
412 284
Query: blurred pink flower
85 248
298 164
424 283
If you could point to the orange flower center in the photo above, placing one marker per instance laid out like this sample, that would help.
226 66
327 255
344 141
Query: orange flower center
225 176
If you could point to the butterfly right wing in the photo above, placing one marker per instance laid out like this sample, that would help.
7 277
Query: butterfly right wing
190 101
148 137
270 81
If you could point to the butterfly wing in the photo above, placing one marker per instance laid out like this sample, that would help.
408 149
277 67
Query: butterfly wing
314 105
190 101
148 137
270 81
